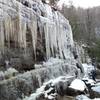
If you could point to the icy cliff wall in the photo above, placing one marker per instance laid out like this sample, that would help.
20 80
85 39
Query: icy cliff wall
81 51
32 30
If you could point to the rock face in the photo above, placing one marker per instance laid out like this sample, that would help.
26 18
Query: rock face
81 52
31 31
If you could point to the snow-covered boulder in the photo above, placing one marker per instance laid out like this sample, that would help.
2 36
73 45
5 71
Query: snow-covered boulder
78 84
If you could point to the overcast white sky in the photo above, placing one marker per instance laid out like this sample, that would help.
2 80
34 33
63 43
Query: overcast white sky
82 3
86 3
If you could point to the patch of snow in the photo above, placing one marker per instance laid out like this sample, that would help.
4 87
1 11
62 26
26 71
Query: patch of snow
11 72
52 61
88 67
84 45
87 77
57 80
82 97
47 1
98 84
37 66
96 88
50 97
89 81
78 85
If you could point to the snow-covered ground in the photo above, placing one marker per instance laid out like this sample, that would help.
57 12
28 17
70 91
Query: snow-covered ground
51 83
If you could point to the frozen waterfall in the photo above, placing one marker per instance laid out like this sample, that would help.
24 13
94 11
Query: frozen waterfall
19 16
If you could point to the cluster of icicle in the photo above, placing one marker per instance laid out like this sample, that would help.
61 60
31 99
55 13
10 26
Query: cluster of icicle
56 28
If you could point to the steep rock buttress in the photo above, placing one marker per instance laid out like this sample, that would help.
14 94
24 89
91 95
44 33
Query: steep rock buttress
30 32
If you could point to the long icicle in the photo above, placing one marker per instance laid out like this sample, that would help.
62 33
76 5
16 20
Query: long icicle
1 36
22 30
33 28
